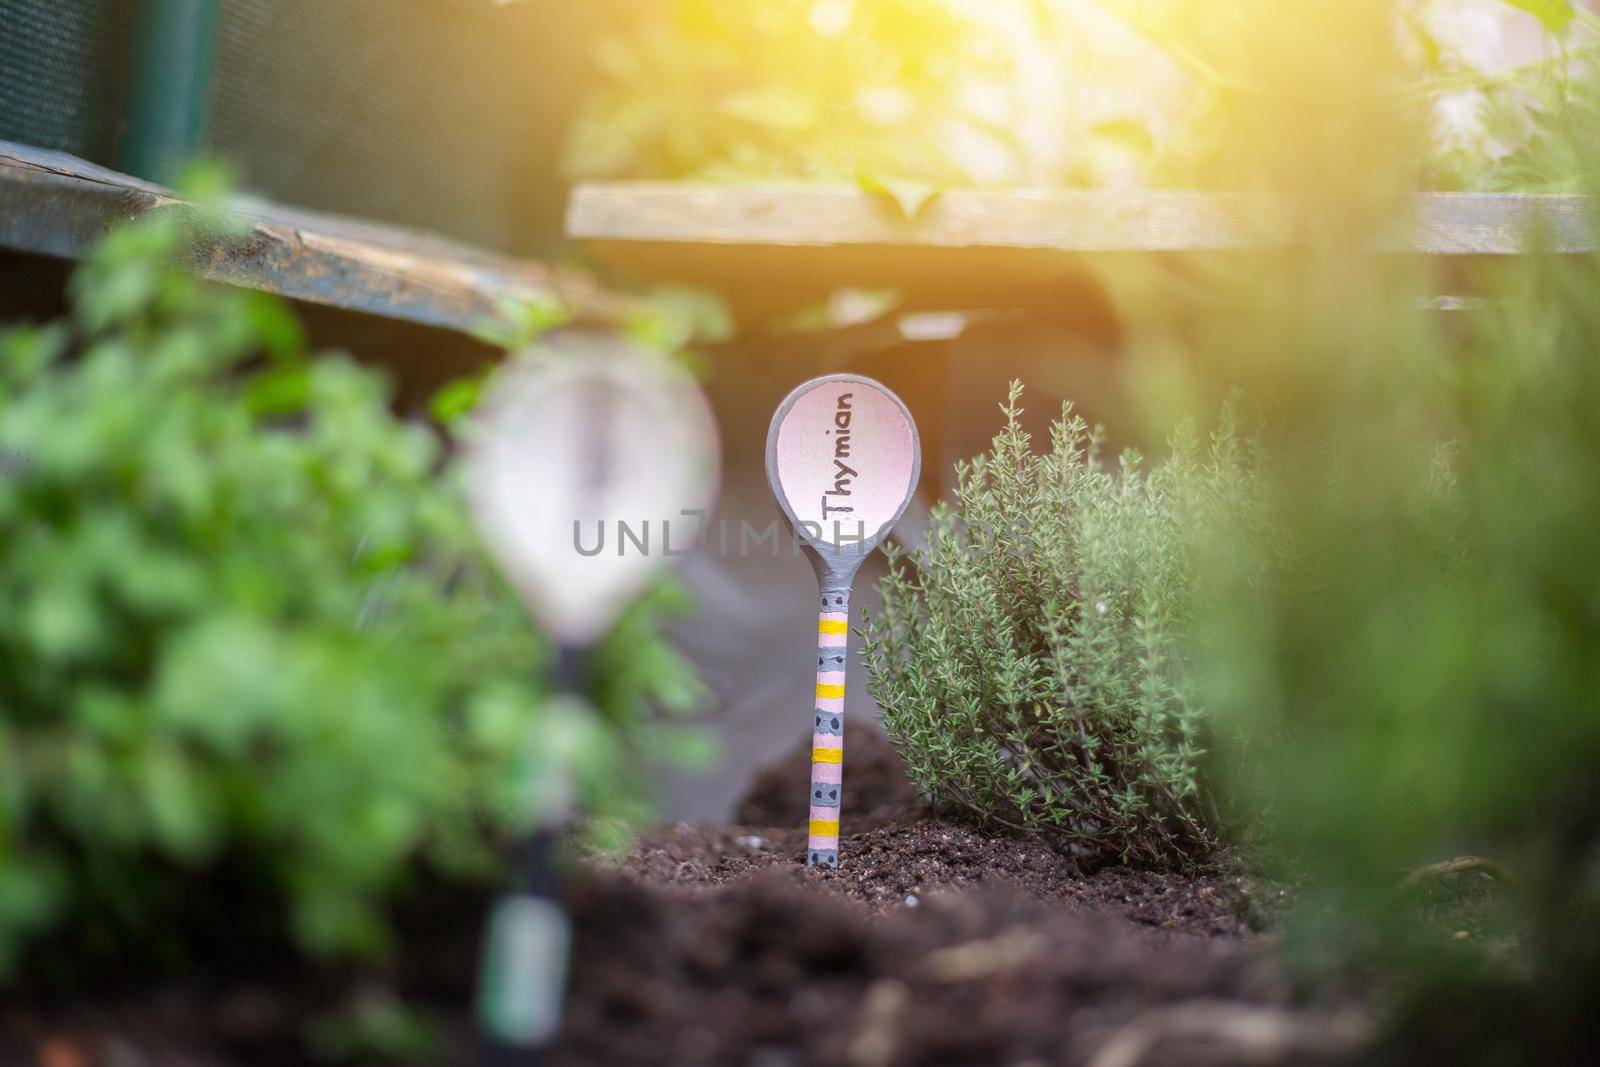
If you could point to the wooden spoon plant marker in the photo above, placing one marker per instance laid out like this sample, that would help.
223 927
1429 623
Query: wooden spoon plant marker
575 437
842 459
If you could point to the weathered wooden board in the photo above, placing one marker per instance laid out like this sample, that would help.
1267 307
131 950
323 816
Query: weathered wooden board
59 205
772 246
1078 221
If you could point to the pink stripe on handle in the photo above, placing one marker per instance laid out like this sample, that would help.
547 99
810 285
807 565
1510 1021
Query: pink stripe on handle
828 777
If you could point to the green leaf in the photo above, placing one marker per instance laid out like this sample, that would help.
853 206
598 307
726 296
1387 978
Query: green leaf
280 391
911 197
1554 14
519 321
62 622
454 399
276 328
179 815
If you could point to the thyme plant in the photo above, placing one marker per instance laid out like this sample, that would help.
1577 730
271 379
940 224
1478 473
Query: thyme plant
1028 660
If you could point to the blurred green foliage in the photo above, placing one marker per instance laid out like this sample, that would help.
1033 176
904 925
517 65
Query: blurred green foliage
667 319
1030 662
1538 123
1402 644
256 674
1414 671
1554 14
907 97
837 89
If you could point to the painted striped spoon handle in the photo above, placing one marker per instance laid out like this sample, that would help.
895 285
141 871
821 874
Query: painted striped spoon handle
827 729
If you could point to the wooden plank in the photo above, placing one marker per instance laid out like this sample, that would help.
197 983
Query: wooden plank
1075 221
59 205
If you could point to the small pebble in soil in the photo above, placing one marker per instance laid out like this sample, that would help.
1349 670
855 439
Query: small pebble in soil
751 841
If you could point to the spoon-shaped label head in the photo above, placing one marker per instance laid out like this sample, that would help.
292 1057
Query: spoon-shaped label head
575 440
843 459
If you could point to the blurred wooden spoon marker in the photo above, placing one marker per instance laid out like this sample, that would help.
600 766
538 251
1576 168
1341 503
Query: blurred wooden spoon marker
591 464
843 457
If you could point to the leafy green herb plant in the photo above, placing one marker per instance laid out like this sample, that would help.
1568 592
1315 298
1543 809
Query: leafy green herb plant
1029 661
255 672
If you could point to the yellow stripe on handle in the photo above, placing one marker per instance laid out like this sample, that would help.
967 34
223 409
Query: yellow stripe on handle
827 745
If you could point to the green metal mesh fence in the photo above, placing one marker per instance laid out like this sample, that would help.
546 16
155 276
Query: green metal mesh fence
422 112
62 69
411 112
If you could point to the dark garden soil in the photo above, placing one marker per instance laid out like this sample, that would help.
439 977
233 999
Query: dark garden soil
897 853
934 944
